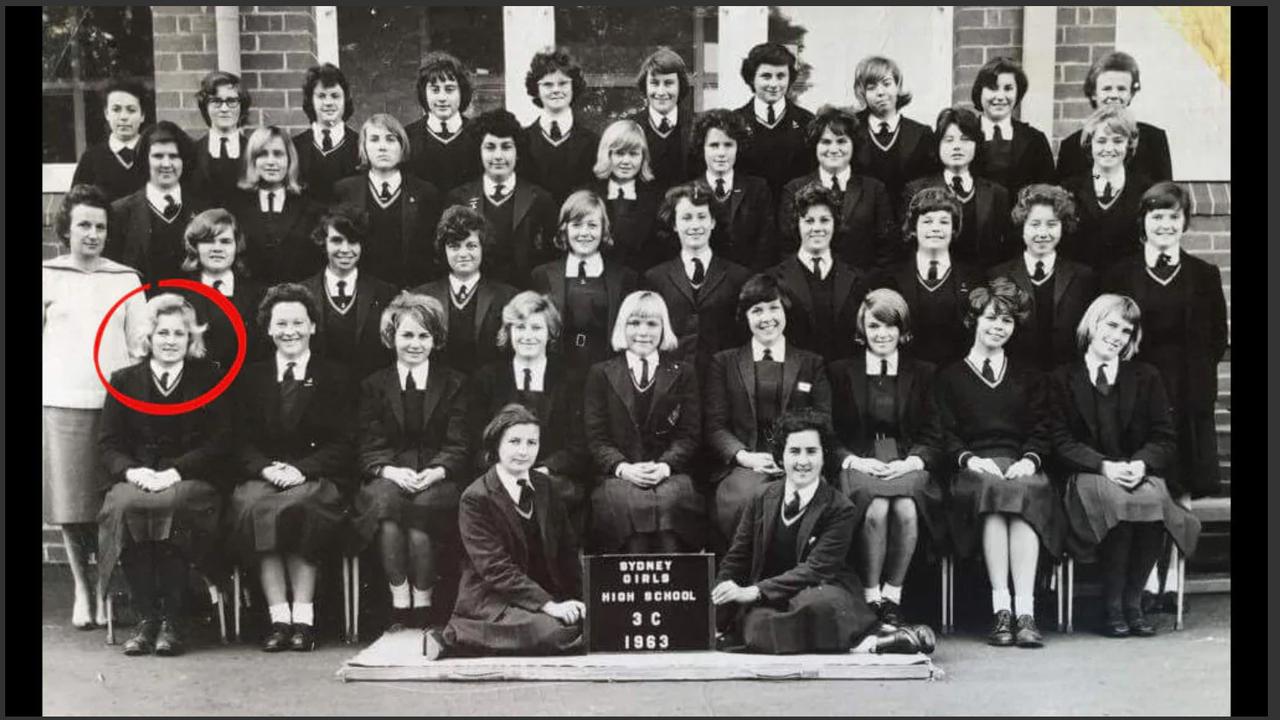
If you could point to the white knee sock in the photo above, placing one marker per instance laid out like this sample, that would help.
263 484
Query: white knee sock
892 593
1171 577
1000 600
422 598
1153 581
280 613
871 595
400 595
1026 605
304 613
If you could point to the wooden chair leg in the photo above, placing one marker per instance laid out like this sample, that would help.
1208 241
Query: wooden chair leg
346 598
1182 585
1071 593
942 594
111 619
355 598
1057 583
222 616
235 592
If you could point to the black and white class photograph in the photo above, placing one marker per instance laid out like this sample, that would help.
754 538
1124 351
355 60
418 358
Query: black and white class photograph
664 360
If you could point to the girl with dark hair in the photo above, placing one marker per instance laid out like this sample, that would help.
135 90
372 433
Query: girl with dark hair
1012 153
219 156
444 148
114 164
891 147
561 150
742 203
778 150
663 79
328 150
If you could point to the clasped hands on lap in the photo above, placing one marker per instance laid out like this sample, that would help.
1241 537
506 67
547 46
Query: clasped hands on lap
283 475
1021 468
878 468
152 480
1127 475
413 481
644 474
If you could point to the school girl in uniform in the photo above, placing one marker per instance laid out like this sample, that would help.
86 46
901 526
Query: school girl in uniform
995 431
329 149
891 147
643 417
663 79
413 457
1013 153
114 164
294 447
215 258
1107 194
779 150
1060 288
884 450
626 181
521 578
218 160
587 286
473 302
443 146
742 203
1112 81
561 150
747 389
983 238
402 209
1113 432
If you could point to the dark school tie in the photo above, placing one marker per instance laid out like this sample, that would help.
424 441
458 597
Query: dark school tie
1108 194
223 152
126 156
409 383
835 185
699 272
288 372
884 367
526 496
644 372
621 195
271 202
770 117
987 373
957 185
1101 383
164 381
664 127
288 390
817 268
386 192
720 191
582 271
997 134
499 192
462 294
883 134
1038 275
528 380
792 508
932 277
1163 268
171 208
217 285
444 133
767 356
555 133
343 298
327 143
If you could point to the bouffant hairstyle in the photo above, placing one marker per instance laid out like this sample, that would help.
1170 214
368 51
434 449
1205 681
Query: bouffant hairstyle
457 223
760 288
801 420
256 147
578 205
726 121
622 135
813 195
1113 61
209 85
1002 293
83 194
838 120
500 124
169 132
520 307
326 75
989 75
283 293
423 309
1113 119
508 417
1064 206
1164 195
169 304
549 61
768 54
663 61
1103 306
203 228
888 307
440 66
349 221
389 123
929 200
696 193
872 70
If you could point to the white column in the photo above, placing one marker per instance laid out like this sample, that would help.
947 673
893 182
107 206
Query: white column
227 33
526 30
741 28
326 34
1039 46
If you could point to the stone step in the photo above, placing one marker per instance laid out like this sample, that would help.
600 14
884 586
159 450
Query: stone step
1212 509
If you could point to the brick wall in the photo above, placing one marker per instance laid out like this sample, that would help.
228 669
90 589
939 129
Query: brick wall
186 48
277 45
981 33
1084 34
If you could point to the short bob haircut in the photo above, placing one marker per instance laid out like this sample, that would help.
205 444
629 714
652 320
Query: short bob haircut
256 148
523 305
423 309
696 193
838 120
622 135
1113 119
349 221
802 420
929 200
760 288
645 304
888 307
726 121
549 61
1002 293
768 54
282 293
126 85
508 417
169 132
968 122
209 85
1113 61
387 122
578 205
82 194
439 66
1098 311
169 304
1164 195
989 75
203 228
325 76
813 195
1052 196
663 61
872 70
500 124
457 222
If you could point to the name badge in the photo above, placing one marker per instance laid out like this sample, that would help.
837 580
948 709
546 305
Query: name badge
804 387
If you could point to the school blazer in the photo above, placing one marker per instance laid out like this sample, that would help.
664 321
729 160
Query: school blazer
916 144
851 417
490 298
616 434
1146 425
1151 158
372 296
619 281
800 158
850 286
1074 287
533 224
639 240
217 189
494 386
220 340
822 544
687 154
744 231
580 148
996 240
865 234
730 397
461 155
383 440
420 208
297 256
129 237
1032 160
495 569
316 172
316 435
1103 237
708 322
195 443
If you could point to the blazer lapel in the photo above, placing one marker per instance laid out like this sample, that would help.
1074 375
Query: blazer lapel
391 386
140 222
268 387
858 381
299 406
675 275
435 391
1082 389
662 382
441 291
984 200
1018 274
617 372
1062 276
715 274
523 201
747 372
771 511
1128 388
556 281
794 275
852 194
821 498
408 213
500 498
843 283
735 200
612 287
484 298
906 377
364 301
541 503
790 374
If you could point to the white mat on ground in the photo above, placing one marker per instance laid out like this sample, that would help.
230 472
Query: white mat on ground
398 656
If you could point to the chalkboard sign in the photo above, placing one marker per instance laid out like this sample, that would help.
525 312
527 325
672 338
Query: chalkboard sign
643 603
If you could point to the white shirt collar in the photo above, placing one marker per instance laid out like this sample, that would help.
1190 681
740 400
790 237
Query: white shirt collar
419 374
806 261
455 283
687 257
565 120
215 142
778 351
874 123
1048 261
1006 127
280 193
633 362
508 186
228 279
453 124
1110 368
393 181
806 496
299 366
1152 254
155 196
116 146
174 372
762 109
965 177
331 282
511 483
672 117
595 265
873 363
998 362
843 175
922 265
538 372
336 133
728 181
628 189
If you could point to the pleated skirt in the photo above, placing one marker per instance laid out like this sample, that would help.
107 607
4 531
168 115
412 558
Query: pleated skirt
919 485
620 509
301 520
1096 504
186 515
433 511
1032 498
822 618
